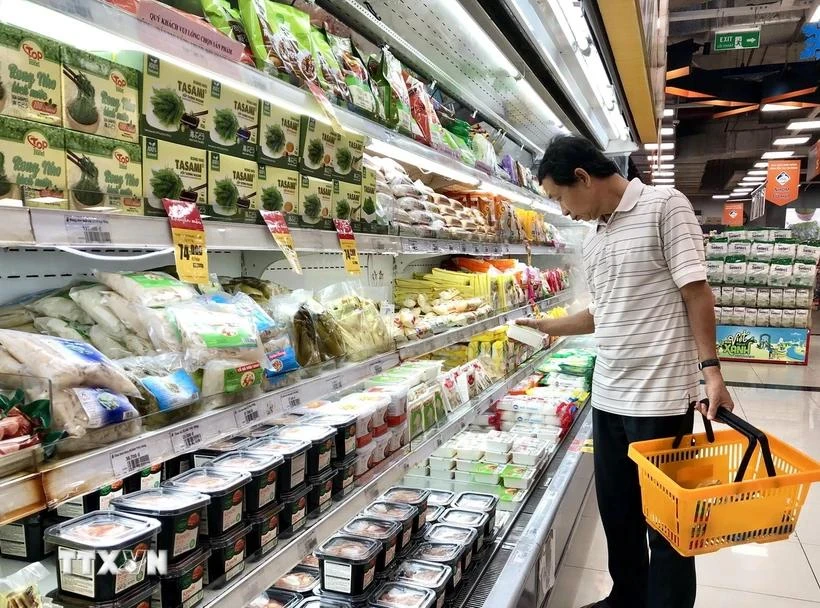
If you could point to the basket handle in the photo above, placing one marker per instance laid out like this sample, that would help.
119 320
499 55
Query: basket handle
710 434
755 436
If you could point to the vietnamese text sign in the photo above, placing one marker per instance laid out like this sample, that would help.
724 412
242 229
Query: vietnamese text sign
741 39
773 344
783 181
733 214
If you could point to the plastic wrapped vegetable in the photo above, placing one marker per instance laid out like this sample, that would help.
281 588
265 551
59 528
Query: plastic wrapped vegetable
147 288
164 384
315 334
60 306
76 410
106 344
90 299
57 327
363 330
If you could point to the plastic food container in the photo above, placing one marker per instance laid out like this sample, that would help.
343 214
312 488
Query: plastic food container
365 458
179 514
476 501
99 499
517 476
430 368
364 419
398 437
328 599
182 585
88 536
381 451
321 493
149 477
429 575
441 464
261 491
299 580
222 446
400 513
261 430
322 439
138 597
397 411
310 560
343 483
347 564
345 424
178 464
294 510
446 533
448 554
23 539
227 559
227 491
275 598
380 404
291 473
264 532
441 498
410 496
402 595
468 519
386 532
434 513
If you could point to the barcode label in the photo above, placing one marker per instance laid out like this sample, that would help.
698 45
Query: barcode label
129 460
88 230
335 383
247 415
291 398
186 439
376 368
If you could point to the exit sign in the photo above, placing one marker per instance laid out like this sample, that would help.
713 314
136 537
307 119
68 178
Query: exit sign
742 39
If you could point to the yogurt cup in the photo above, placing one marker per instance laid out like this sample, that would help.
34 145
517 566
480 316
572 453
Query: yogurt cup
380 404
261 491
226 490
364 418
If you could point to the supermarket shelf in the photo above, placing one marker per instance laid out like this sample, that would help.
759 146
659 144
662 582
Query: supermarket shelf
386 474
425 246
416 348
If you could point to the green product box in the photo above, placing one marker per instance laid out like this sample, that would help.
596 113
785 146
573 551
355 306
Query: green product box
318 149
172 171
347 200
175 103
315 198
103 174
232 189
30 76
32 163
279 191
233 122
368 221
279 134
347 160
100 97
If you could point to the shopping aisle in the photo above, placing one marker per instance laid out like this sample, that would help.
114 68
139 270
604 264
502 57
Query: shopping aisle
773 375
784 574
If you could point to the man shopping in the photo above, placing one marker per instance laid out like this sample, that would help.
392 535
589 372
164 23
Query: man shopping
652 314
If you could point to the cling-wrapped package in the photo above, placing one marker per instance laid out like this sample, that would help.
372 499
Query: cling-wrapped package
364 331
75 410
60 307
164 384
90 298
150 289
58 328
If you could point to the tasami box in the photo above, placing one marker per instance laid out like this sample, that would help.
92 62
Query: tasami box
172 171
279 191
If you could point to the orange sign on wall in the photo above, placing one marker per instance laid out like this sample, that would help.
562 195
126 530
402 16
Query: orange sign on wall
783 181
732 214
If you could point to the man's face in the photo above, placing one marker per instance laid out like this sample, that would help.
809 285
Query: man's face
578 200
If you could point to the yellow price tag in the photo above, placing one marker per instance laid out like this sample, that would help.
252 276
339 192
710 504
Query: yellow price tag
278 227
188 235
347 241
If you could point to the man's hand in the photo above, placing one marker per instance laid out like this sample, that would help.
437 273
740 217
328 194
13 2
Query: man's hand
716 392
541 325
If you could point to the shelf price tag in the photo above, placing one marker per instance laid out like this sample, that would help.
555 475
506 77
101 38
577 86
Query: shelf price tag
246 416
130 460
278 227
347 241
188 235
186 439
87 230
291 398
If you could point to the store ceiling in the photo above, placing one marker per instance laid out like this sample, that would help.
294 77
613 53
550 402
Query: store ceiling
719 128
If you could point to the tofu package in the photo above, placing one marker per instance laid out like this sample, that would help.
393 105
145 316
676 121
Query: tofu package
32 164
172 171
279 137
100 97
232 189
278 191
103 174
234 122
30 76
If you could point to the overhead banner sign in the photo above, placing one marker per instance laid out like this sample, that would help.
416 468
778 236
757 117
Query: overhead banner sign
732 214
758 203
736 40
783 181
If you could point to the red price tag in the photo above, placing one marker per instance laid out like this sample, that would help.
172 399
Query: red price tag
347 241
278 227
188 235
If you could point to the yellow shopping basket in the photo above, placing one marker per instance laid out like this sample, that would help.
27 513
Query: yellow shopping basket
722 489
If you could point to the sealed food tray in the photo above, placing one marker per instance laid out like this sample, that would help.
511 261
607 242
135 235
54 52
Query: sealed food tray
227 559
301 579
261 491
429 575
183 583
347 564
226 490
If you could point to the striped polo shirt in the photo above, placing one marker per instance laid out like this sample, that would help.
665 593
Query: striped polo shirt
636 262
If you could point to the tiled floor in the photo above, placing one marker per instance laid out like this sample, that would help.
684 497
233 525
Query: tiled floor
776 575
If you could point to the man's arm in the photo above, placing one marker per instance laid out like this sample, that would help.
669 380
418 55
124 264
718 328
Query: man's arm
580 323
700 309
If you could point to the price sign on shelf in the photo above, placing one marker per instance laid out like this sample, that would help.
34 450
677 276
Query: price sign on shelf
268 407
335 383
188 235
291 398
347 241
186 439
247 415
87 230
278 227
376 368
127 461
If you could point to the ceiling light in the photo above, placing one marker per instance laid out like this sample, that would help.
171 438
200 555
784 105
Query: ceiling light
720 196
757 172
779 154
803 125
816 16
791 141
667 130
664 180
664 174
665 186
480 37
662 157
761 165
667 145
777 107
753 178
737 191
663 166
667 112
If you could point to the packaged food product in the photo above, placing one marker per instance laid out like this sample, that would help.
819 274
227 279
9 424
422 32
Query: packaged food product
260 493
94 501
404 514
234 120
347 564
183 582
397 391
386 72
448 533
137 597
152 289
441 498
23 539
354 73
218 448
276 598
803 274
398 437
343 482
293 516
321 492
344 444
386 532
401 595
381 448
410 496
227 559
264 534
233 192
322 439
172 171
475 501
177 512
347 164
294 452
31 76
448 554
279 137
378 403
780 272
366 458
148 478
300 579
226 489
429 575
32 165
434 513
95 532
468 519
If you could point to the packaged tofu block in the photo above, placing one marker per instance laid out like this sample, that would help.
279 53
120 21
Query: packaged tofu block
279 134
103 174
318 149
315 199
232 189
234 121
172 171
278 190
100 97
30 76
175 103
32 163
347 200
